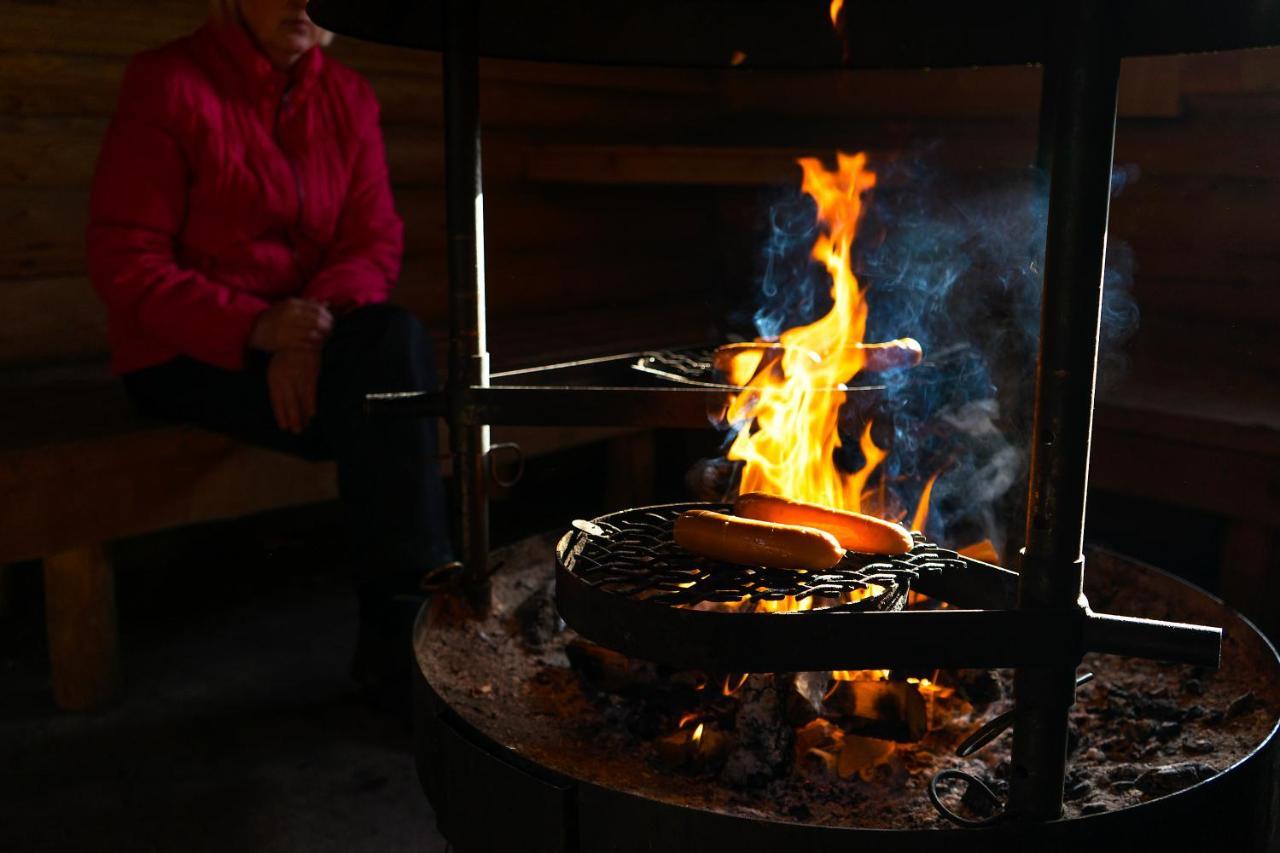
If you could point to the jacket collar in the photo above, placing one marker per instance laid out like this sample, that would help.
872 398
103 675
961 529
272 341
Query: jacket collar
250 66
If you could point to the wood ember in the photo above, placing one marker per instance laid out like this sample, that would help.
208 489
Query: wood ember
538 618
764 740
1159 781
804 702
1137 720
980 687
886 710
862 755
695 748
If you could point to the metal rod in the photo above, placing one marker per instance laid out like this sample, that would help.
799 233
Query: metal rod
1085 70
468 352
1153 639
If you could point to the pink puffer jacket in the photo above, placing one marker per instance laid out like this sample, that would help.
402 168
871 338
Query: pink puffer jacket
225 185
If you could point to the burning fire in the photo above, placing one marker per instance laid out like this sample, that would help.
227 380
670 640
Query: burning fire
791 418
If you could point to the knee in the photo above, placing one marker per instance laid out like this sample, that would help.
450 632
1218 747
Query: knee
397 347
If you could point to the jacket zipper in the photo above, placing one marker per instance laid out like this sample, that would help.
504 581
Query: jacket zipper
297 179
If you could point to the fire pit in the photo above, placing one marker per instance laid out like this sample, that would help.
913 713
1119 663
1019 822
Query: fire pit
568 744
641 606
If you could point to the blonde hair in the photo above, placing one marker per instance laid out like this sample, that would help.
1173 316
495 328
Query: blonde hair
228 12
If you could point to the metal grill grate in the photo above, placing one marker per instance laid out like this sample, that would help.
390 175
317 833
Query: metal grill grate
632 554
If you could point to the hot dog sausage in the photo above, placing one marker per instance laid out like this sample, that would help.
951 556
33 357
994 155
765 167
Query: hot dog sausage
756 543
853 530
739 363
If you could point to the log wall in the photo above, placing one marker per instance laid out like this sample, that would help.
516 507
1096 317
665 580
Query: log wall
616 197
608 187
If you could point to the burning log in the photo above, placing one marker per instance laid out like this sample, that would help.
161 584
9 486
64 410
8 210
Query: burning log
537 617
804 702
980 687
823 749
703 747
862 755
887 710
818 762
764 747
611 672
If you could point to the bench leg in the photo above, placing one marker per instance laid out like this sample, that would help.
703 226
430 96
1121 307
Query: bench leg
80 613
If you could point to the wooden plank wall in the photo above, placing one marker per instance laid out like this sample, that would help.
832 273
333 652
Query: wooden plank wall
60 67
611 187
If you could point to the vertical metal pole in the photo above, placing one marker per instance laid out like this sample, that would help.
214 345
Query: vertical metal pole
1083 70
468 350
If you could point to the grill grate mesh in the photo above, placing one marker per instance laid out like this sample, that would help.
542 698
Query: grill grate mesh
633 554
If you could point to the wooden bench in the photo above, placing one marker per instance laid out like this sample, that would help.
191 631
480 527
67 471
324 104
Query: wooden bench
79 469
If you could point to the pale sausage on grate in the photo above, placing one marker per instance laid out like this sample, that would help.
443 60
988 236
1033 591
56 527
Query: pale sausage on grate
853 530
750 542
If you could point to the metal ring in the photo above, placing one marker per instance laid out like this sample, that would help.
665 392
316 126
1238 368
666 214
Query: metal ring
518 457
987 732
959 820
996 726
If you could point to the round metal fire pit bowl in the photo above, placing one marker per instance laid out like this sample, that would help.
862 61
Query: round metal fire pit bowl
502 776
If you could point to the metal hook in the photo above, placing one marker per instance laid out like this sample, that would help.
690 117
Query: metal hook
987 732
996 726
518 458
974 781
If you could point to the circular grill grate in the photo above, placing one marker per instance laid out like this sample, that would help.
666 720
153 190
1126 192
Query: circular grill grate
632 554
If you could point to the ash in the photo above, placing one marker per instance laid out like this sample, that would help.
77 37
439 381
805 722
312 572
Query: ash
773 746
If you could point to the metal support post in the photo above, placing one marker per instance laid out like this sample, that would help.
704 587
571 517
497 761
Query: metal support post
1083 70
468 351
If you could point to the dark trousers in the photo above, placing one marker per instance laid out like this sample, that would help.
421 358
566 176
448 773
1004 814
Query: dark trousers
388 478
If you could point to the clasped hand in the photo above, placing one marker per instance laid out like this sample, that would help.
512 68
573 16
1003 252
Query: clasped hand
294 332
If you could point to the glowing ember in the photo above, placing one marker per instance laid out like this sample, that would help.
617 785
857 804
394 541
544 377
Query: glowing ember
983 550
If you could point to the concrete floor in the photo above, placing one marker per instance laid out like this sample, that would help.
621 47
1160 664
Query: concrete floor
239 728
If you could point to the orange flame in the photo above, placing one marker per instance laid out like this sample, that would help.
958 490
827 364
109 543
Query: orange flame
921 516
791 418
835 12
983 550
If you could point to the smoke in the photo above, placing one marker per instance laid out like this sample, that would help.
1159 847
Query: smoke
958 268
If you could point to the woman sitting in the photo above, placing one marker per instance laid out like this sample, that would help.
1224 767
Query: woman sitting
243 236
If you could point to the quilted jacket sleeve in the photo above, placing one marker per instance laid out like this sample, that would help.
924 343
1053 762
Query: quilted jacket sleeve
136 209
363 261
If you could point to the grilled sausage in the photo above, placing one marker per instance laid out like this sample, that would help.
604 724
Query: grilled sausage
756 543
853 530
739 363
904 352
